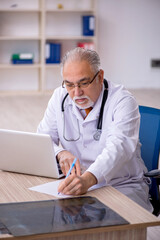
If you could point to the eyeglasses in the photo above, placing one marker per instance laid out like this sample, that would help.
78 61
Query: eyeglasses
84 83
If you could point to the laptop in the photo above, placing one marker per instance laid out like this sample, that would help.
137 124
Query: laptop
29 153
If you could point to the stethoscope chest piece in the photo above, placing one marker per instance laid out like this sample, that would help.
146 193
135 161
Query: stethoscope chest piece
97 135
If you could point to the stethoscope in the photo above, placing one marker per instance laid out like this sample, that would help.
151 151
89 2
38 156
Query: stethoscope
98 132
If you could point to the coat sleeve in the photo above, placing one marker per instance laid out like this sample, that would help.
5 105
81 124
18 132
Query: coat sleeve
121 140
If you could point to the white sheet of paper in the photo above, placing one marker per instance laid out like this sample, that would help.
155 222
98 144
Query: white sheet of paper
51 188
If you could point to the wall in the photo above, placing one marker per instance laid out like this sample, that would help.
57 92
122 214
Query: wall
128 38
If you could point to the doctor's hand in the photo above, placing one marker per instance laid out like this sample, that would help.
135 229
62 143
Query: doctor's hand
77 185
65 159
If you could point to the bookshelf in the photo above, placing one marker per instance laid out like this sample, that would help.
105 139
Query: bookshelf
26 27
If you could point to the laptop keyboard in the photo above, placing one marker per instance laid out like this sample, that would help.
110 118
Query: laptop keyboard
59 168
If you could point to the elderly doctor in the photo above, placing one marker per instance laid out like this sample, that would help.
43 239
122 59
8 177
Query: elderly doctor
105 141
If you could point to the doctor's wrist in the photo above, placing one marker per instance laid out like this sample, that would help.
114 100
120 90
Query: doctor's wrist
89 179
60 155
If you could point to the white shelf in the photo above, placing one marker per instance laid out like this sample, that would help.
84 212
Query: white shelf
26 27
64 37
21 10
70 11
20 38
20 66
52 66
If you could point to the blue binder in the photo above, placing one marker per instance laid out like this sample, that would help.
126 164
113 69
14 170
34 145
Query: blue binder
22 61
54 53
88 23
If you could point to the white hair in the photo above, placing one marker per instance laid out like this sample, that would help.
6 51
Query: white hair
81 54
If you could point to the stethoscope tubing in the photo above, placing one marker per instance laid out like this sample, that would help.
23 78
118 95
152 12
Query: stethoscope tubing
104 99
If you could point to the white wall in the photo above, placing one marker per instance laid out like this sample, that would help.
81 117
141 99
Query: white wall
128 38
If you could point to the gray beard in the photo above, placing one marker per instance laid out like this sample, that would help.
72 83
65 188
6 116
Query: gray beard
87 105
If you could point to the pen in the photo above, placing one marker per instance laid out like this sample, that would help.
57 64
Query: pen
72 166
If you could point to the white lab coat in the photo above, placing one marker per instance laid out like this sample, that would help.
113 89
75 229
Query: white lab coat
115 159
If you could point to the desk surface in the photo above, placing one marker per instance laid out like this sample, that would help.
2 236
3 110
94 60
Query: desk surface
14 188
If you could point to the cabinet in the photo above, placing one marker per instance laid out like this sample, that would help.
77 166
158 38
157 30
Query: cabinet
26 26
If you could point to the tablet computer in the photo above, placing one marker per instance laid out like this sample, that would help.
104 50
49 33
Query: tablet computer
53 216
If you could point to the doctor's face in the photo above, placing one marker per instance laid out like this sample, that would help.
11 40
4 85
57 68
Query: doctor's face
76 76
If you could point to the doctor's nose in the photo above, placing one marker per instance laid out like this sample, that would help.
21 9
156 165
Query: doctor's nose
78 91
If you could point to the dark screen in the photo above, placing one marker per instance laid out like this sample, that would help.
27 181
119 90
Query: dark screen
28 218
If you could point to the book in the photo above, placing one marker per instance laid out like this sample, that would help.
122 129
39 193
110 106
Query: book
22 58
19 56
53 53
22 61
88 23
86 45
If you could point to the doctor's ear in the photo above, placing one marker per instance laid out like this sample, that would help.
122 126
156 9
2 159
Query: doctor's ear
101 76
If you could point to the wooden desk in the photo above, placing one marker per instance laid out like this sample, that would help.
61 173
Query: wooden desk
14 188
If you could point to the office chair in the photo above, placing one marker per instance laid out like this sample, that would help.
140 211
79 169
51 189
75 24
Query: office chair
150 140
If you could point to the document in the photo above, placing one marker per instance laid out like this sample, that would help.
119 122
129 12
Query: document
51 188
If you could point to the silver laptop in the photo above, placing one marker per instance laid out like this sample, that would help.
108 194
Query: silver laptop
28 153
